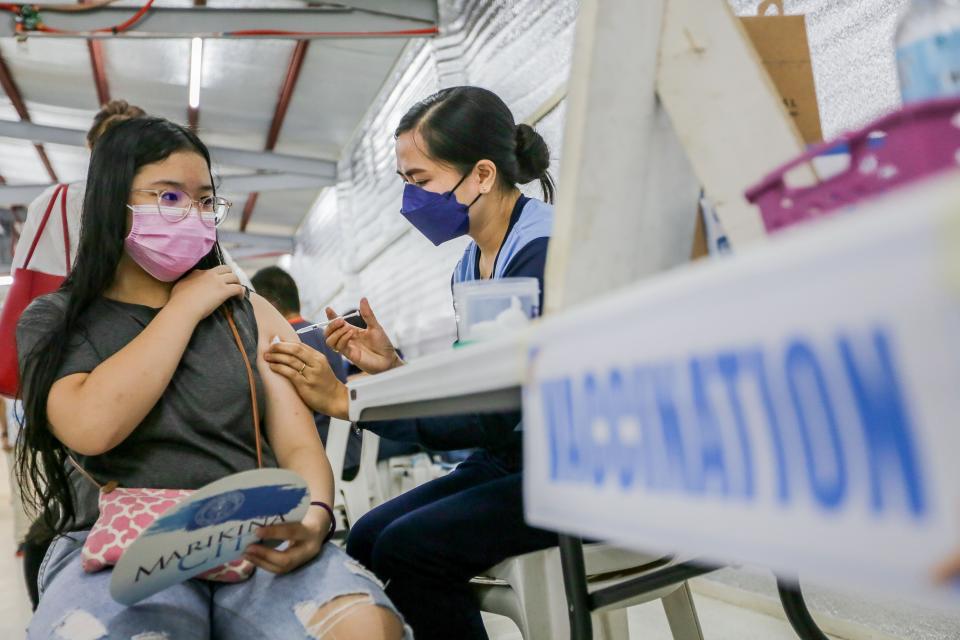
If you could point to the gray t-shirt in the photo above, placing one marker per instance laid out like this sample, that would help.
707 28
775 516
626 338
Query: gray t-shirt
199 431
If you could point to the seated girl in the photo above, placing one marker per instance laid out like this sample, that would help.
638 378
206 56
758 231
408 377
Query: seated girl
132 371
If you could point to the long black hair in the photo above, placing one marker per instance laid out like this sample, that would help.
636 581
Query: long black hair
119 154
463 125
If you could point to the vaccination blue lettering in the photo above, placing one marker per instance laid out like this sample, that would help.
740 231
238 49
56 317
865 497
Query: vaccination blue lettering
695 425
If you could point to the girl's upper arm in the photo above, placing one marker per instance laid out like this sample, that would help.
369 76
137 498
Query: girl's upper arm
62 411
289 421
78 359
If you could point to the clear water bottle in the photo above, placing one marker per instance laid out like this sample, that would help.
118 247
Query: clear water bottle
928 50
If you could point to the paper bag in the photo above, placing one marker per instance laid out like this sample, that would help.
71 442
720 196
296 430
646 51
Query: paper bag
781 43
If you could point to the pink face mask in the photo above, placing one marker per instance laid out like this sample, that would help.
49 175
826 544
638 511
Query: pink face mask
167 250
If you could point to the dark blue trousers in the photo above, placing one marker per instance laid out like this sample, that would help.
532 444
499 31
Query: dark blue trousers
429 542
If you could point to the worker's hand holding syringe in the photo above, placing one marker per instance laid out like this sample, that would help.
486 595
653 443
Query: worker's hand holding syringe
369 348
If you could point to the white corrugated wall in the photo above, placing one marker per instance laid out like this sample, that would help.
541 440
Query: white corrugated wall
356 243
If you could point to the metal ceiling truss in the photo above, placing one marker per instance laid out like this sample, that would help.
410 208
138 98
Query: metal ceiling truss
11 195
355 18
244 245
260 160
16 98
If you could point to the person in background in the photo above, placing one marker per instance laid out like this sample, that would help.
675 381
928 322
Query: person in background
50 253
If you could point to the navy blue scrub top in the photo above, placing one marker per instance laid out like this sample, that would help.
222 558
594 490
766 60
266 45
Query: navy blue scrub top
497 432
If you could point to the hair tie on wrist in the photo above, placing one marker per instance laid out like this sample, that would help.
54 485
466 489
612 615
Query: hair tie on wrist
333 518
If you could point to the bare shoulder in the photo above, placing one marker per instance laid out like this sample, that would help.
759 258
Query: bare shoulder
271 324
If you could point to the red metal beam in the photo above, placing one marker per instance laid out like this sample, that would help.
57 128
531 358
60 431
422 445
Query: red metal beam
248 210
279 115
16 98
286 92
193 118
45 159
99 71
95 47
12 90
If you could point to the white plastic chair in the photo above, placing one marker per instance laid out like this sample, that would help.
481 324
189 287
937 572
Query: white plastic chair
403 473
336 446
363 492
529 590
338 436
374 483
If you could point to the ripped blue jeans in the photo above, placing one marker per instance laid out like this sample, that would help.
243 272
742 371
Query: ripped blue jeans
75 605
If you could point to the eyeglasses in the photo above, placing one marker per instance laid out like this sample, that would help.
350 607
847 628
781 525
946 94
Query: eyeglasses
174 206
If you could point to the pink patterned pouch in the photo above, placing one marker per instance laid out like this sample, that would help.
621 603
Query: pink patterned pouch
125 514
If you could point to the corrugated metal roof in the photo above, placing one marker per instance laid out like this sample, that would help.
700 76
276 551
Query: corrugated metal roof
240 86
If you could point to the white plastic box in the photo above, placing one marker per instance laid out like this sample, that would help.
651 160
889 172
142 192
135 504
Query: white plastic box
490 308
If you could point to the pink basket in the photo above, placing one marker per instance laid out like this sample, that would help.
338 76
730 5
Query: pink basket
913 143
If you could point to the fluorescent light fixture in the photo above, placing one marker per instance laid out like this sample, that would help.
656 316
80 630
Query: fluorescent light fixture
6 281
196 66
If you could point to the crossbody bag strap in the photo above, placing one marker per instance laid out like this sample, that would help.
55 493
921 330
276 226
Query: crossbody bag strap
104 488
252 383
42 225
66 227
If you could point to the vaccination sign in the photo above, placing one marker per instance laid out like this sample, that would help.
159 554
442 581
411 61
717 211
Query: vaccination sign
797 406
211 528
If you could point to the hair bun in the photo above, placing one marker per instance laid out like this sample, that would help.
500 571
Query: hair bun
533 156
117 107
113 112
